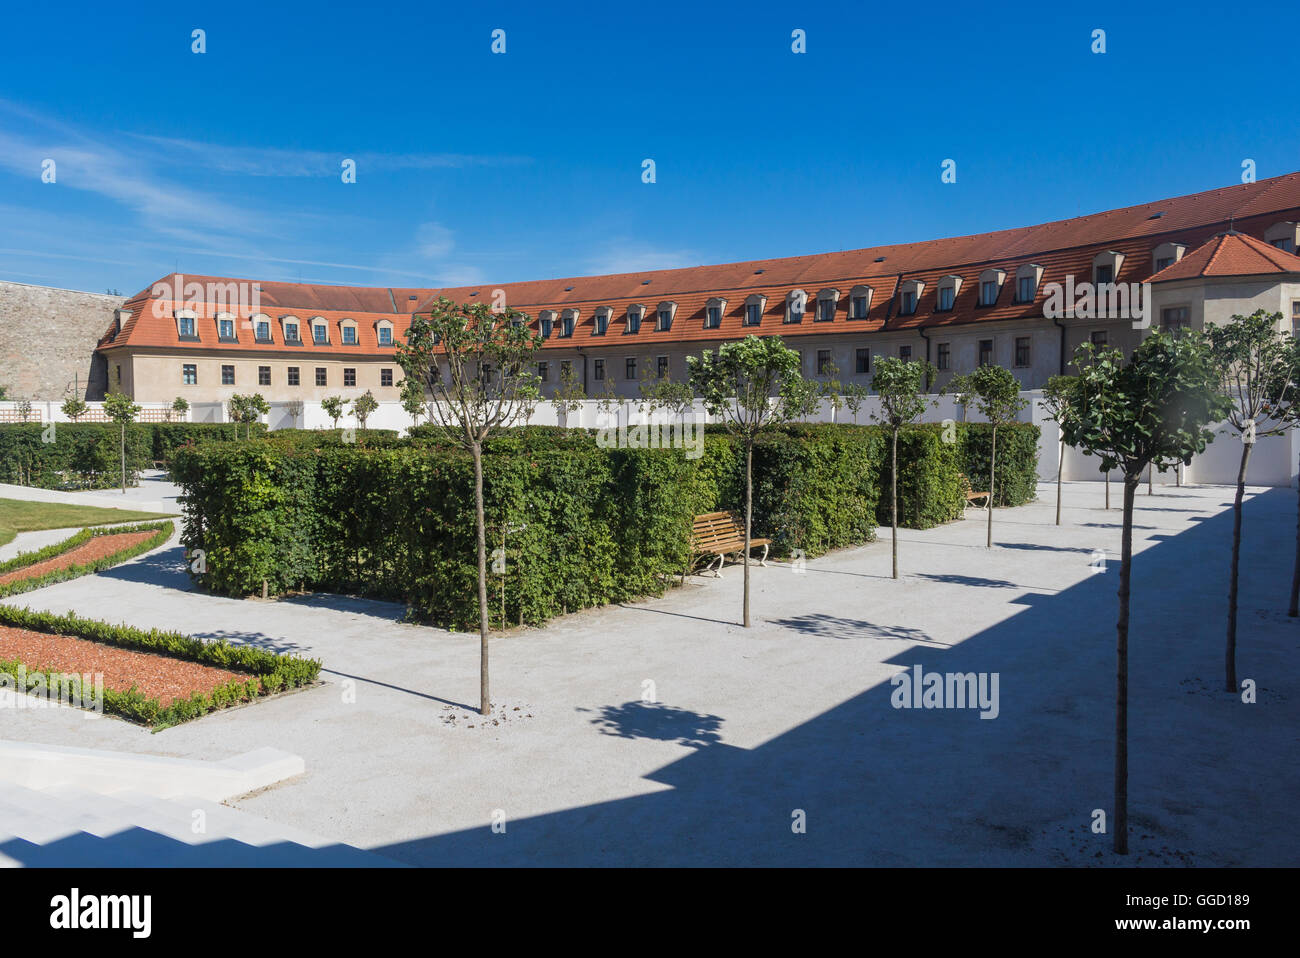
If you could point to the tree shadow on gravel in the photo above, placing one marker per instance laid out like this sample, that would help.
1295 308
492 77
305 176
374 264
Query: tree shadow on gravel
660 723
836 627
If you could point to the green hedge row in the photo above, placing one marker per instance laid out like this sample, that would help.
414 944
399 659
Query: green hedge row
579 525
88 455
162 532
269 672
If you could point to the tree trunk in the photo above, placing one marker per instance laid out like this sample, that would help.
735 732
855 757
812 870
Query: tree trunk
749 515
1108 490
993 458
1060 466
1294 610
1120 822
893 498
1151 475
123 458
485 705
1230 653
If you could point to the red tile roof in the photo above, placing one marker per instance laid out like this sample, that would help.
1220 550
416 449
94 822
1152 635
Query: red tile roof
1060 248
1230 254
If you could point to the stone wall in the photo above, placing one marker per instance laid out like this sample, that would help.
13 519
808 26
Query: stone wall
47 341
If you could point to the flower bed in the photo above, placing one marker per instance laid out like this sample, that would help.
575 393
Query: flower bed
90 550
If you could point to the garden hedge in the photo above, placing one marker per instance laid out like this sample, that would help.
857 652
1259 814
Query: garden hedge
162 531
580 525
268 672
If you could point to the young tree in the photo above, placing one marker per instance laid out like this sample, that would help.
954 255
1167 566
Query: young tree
855 396
247 410
488 386
413 399
333 406
24 407
180 406
996 395
1056 401
4 391
364 406
900 383
751 385
832 390
74 408
119 408
1154 409
677 398
569 394
1254 362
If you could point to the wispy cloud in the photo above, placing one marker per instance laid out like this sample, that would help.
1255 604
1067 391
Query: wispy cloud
631 256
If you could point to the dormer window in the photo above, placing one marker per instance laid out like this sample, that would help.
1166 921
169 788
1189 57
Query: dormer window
568 320
603 313
1028 277
384 333
546 322
320 332
291 331
1166 255
754 306
348 333
1285 236
225 327
859 302
1105 267
826 302
909 294
990 286
664 316
713 313
634 314
262 328
796 302
186 326
946 293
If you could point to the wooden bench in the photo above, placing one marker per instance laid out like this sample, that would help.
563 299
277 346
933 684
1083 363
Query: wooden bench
719 534
972 495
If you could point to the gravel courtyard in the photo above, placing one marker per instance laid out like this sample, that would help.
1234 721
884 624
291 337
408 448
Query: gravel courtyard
746 732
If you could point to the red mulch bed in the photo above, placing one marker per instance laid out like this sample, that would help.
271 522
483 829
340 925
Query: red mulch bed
157 676
89 551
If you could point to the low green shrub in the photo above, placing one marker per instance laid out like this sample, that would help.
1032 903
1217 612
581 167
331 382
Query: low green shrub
1016 475
162 532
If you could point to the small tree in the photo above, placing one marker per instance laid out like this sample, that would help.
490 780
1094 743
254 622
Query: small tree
569 394
247 410
119 408
488 386
295 409
752 385
1254 361
180 406
900 384
1154 409
4 391
1056 402
24 407
996 395
832 390
677 398
364 406
73 408
333 406
413 399
855 397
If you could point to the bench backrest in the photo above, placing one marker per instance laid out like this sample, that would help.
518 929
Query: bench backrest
712 528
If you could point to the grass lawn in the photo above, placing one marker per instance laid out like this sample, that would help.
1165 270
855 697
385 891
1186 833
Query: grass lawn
18 516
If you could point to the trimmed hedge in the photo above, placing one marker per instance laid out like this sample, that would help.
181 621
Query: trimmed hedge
162 532
269 672
88 455
1016 475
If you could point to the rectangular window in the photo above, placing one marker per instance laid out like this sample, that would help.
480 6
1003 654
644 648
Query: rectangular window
661 367
1295 316
629 368
293 376
944 356
825 310
823 360
1105 274
117 375
986 352
713 317
291 333
544 372
189 374
349 377
226 329
945 298
263 331
1098 337
545 325
859 307
753 314
264 375
187 325
321 379
1164 262
602 323
862 361
905 353
598 370
908 306
665 320
227 375
988 292
1176 317
385 377
1022 350
1025 289
319 335
566 326
349 335
385 336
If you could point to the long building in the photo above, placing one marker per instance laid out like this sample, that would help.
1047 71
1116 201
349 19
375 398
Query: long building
958 302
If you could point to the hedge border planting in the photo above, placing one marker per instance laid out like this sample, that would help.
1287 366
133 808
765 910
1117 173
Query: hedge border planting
163 532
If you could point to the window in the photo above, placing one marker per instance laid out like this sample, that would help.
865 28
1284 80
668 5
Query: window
905 353
1283 236
1022 350
117 375
753 314
568 319
1106 266
186 325
1025 289
946 294
293 376
661 367
349 335
665 314
988 292
943 356
1098 337
907 306
385 377
713 313
546 323
227 375
862 361
1295 316
1164 262
986 352
225 329
264 375
823 361
262 331
1166 255
859 302
826 302
598 370
795 302
1105 274
634 319
385 335
629 368
1176 317
602 320
189 374
544 372
320 334
320 376
291 333
349 377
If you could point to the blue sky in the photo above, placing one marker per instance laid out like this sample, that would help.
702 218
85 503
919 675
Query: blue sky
474 167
